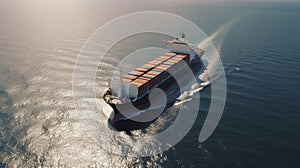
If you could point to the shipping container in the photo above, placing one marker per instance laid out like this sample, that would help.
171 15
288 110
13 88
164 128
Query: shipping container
155 62
173 66
159 74
163 67
163 57
160 59
157 70
142 69
156 75
138 87
168 63
170 54
135 73
185 57
153 76
140 81
151 79
146 79
162 73
131 77
173 60
151 63
153 72
146 67
149 66
149 75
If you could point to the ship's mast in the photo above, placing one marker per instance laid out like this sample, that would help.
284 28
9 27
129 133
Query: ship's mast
182 36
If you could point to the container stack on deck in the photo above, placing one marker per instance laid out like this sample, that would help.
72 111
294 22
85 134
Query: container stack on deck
149 75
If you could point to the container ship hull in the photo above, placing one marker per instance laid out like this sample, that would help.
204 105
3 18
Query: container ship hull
171 89
131 106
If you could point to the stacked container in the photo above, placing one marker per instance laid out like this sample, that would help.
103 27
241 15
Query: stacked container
147 76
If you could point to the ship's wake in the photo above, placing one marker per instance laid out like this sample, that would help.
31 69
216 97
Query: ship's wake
211 60
188 95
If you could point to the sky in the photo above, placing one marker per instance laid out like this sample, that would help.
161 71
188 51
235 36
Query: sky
180 2
133 3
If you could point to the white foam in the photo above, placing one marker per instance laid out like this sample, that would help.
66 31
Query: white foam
188 95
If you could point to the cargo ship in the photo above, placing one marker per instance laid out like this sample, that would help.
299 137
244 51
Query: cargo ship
135 108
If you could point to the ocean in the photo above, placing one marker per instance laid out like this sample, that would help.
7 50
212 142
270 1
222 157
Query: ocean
259 47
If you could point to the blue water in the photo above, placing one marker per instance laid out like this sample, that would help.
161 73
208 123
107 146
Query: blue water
260 53
259 125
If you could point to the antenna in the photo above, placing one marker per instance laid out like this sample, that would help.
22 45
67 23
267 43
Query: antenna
182 35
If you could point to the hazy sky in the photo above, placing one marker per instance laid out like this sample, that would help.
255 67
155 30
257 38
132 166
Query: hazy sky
197 1
132 3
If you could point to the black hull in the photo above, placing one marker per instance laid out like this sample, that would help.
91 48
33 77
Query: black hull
122 123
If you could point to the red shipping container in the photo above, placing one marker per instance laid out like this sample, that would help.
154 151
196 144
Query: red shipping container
131 77
170 54
185 57
142 69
